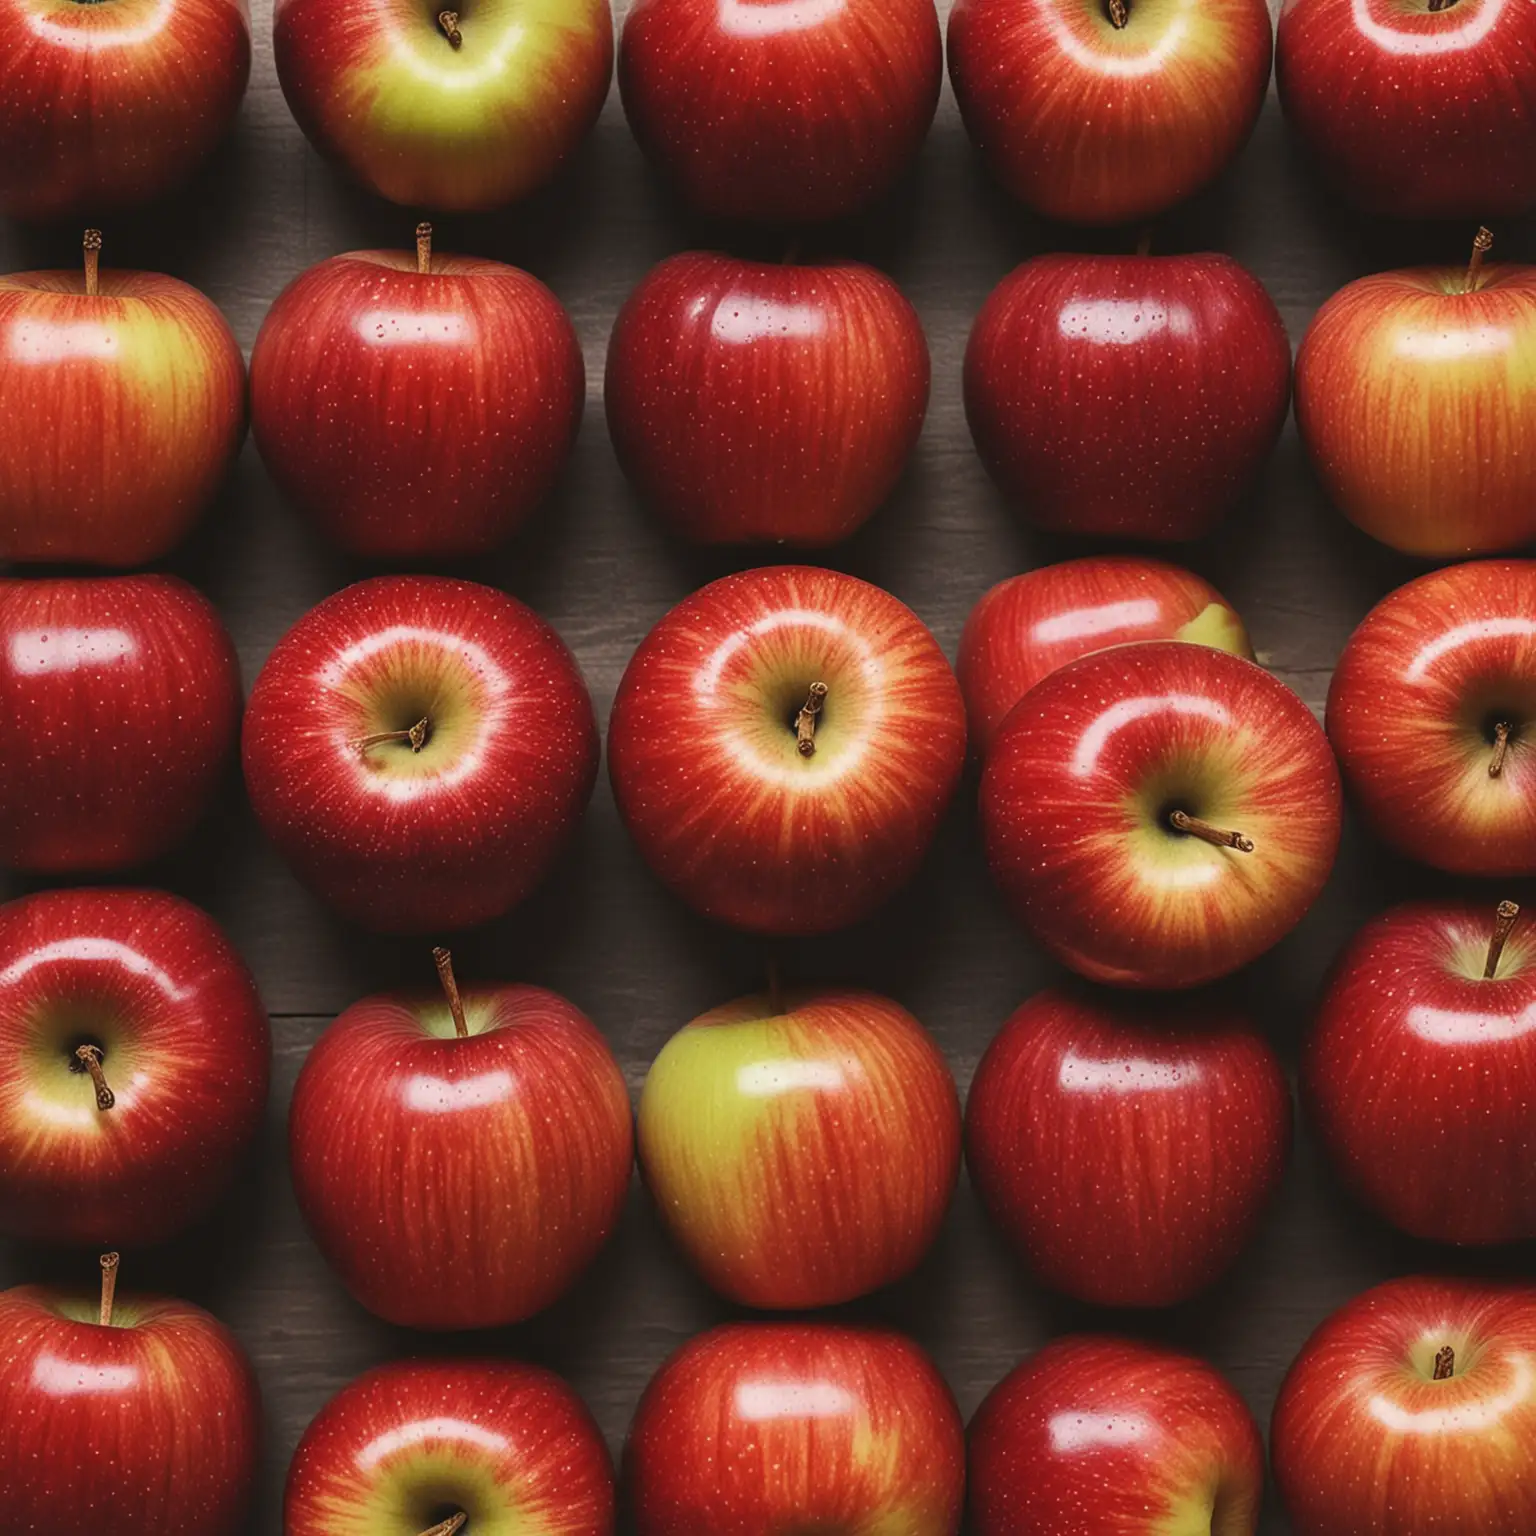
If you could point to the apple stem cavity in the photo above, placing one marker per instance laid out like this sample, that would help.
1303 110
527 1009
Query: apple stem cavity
109 1263
416 735
1182 821
448 1527
1144 241
1445 1364
91 245
1482 241
1440 5
450 982
805 721
1119 14
775 989
1500 749
89 1057
449 22
424 242
1503 926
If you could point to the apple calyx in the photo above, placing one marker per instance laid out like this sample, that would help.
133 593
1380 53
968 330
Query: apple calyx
449 22
416 735
1119 14
91 245
1445 1364
1500 749
109 1263
89 1057
424 236
1482 241
449 1527
805 721
1182 821
1504 923
444 962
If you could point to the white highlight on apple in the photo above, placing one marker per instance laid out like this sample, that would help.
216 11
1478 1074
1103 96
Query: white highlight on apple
1470 633
85 947
445 1096
1073 1432
1458 1026
99 39
1468 341
1130 1074
42 341
69 1378
460 76
763 1399
740 320
1092 742
1080 623
421 1431
35 652
768 1079
1122 322
1458 1418
1123 64
741 18
1482 20
394 328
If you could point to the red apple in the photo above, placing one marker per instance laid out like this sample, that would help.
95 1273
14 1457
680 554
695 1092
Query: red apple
1027 626
1108 113
1160 814
136 387
129 688
1127 1152
1415 111
1098 1436
460 1159
1413 1409
801 1150
1131 396
414 1443
416 407
1416 399
134 1058
782 747
107 105
135 1415
781 111
760 1429
1432 711
753 403
453 109
420 750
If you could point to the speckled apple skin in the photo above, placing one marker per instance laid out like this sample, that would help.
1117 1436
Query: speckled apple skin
754 1429
753 404
460 832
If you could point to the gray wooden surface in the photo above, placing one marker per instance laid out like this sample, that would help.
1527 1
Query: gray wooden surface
602 932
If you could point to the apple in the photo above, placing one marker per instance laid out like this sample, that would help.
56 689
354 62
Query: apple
1432 712
1160 814
130 690
460 1158
780 111
1413 1409
134 1414
1415 111
420 750
109 103
416 407
134 1059
782 747
1416 400
1127 1152
1108 111
1094 1435
802 1150
755 403
766 1428
136 386
1027 626
457 110
496 1444
1131 396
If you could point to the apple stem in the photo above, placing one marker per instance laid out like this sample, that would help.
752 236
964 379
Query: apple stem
1119 14
448 1527
1445 1364
109 1262
1482 243
449 22
805 721
1504 925
1182 821
451 990
417 736
1441 5
89 1057
1500 749
92 247
424 247
775 988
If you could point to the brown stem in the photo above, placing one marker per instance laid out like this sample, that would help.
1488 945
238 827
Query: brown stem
1500 749
92 248
1445 1364
1504 925
451 989
1441 5
1119 14
449 22
423 247
805 721
417 736
89 1057
1482 243
449 1527
1182 821
109 1263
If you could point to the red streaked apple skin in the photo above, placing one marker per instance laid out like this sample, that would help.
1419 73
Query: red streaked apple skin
1127 396
1366 1443
1028 625
460 1183
801 1156
1431 670
103 106
150 1427
755 403
1076 793
1094 125
779 112
504 1441
702 748
1076 1090
1101 1436
416 415
762 1428
185 1047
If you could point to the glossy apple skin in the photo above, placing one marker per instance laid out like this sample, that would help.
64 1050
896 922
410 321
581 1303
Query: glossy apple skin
1076 792
107 105
185 1047
1366 1443
416 415
1411 113
779 112
751 403
1416 402
1430 670
801 1156
166 1387
460 1183
460 832
1078 1088
702 749
1134 397
1102 1436
139 392
1028 625
130 688
1097 126
378 88
509 1444
762 1428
